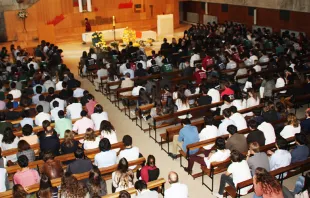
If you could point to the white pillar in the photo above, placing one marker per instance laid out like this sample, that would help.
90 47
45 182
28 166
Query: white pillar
206 8
89 8
80 5
255 16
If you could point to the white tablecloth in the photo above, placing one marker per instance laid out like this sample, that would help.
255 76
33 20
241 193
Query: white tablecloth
108 35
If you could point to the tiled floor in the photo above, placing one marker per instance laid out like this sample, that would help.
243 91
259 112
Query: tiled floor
72 52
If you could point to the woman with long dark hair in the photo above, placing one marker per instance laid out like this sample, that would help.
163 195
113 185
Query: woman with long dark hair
71 187
46 189
19 191
182 104
9 141
108 131
122 178
96 185
265 185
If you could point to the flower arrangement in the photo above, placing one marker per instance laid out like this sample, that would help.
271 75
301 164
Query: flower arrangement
136 44
98 40
22 14
114 44
129 35
150 41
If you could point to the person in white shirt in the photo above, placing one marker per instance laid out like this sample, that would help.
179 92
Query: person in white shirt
264 58
269 133
195 57
122 68
129 70
218 155
35 65
239 102
98 116
292 127
238 119
15 92
182 104
159 60
4 182
143 192
280 83
227 104
136 90
41 116
253 100
78 92
54 111
257 68
74 108
48 83
225 122
106 157
102 72
231 65
81 125
59 84
281 157
209 132
61 103
240 171
215 95
130 152
107 131
176 190
91 140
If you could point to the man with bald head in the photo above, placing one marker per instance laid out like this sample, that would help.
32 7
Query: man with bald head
176 188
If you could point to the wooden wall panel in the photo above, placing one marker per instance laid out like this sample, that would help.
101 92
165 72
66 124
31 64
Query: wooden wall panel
265 17
46 10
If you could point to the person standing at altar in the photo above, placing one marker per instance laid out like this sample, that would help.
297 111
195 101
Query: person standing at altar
87 25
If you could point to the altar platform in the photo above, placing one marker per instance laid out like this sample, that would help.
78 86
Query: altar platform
108 35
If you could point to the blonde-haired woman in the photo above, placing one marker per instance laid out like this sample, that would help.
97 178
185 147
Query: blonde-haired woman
91 139
69 145
292 127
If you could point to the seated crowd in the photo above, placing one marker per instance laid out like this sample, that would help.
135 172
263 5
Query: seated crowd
217 63
227 63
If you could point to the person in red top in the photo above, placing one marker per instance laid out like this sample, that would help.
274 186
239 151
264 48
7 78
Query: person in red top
227 91
87 25
199 74
149 172
90 105
207 61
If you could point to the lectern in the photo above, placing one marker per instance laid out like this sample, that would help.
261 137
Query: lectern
165 25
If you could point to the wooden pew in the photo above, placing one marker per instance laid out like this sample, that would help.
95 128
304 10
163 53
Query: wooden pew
291 170
150 185
176 115
220 167
106 173
148 107
62 158
170 132
37 146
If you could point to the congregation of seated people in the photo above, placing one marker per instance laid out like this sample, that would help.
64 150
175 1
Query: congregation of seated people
211 58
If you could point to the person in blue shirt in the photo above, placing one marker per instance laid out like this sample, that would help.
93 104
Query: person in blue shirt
301 151
305 124
188 135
